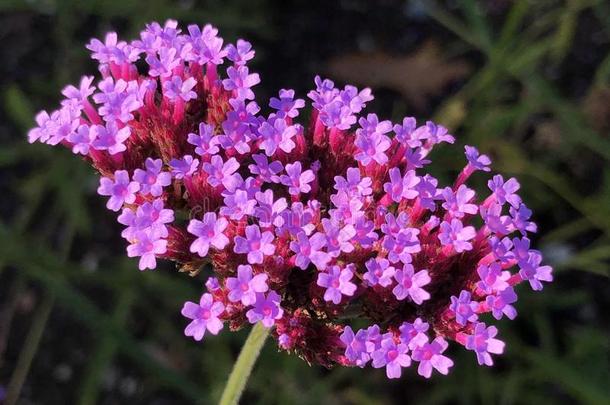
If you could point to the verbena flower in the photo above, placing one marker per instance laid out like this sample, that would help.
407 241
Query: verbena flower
308 225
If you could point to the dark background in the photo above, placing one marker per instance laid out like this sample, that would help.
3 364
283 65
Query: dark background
526 81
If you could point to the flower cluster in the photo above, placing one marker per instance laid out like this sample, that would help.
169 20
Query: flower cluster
307 227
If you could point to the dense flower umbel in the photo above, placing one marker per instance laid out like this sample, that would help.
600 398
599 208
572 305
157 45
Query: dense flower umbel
307 226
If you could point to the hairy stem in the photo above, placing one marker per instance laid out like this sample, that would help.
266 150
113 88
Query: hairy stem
244 364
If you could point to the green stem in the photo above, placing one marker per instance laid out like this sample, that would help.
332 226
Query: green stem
244 364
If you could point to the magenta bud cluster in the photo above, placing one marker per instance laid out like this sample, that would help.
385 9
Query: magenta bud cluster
310 225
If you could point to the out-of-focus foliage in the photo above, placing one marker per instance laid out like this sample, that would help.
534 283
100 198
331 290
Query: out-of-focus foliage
80 324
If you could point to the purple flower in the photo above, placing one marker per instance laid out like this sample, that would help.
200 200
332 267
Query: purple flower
118 99
244 287
494 220
152 180
391 355
176 88
241 53
430 357
209 231
269 210
520 219
205 143
463 308
475 160
338 238
81 140
163 64
531 270
492 278
275 134
120 190
46 127
240 81
221 173
266 309
401 187
505 191
82 92
184 167
296 181
109 137
255 244
286 105
238 204
204 316
402 245
147 244
483 342
499 304
240 126
455 234
356 346
147 215
433 133
379 272
337 282
414 334
458 204
371 141
404 132
112 50
308 250
410 284
353 184
206 46
266 171
501 249
212 284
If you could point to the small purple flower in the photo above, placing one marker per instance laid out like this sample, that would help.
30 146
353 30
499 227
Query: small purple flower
531 270
414 334
266 309
433 133
147 215
82 92
152 180
483 342
379 272
163 64
404 132
244 287
204 316
410 284
456 234
266 171
505 191
337 282
356 346
477 161
430 357
109 137
238 204
240 80
502 249
209 232
286 105
371 141
240 53
463 308
402 245
353 184
276 133
427 191
296 181
499 304
176 88
338 237
120 190
212 284
255 244
118 100
401 187
205 143
184 167
147 244
458 204
206 46
221 173
520 219
492 278
308 250
391 355
269 210
81 140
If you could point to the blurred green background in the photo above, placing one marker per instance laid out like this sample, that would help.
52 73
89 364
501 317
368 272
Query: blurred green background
526 81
